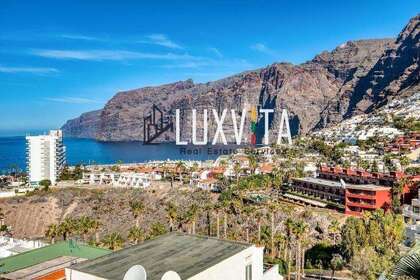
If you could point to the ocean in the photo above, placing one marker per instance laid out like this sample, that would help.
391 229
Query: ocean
88 151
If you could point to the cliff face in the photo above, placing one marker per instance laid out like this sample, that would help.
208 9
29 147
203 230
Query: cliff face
397 70
356 77
85 126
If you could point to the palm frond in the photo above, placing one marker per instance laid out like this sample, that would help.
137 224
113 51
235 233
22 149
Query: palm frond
408 266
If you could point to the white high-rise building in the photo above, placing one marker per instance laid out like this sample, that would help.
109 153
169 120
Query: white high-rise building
45 156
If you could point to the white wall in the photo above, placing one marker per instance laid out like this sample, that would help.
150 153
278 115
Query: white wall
44 157
234 267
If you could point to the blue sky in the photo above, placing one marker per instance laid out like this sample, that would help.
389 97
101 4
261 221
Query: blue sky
61 58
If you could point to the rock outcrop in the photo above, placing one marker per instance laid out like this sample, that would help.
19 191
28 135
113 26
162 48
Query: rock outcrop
356 77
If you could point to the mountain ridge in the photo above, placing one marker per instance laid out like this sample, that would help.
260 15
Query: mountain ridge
354 78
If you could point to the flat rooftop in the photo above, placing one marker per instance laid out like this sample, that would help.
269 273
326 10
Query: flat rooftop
42 269
188 255
319 181
337 184
367 187
47 253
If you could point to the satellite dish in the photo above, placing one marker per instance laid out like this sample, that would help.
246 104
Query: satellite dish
136 272
171 275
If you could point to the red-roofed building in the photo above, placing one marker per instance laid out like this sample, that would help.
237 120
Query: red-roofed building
406 142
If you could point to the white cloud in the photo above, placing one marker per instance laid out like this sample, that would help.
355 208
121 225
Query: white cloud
118 55
79 37
209 62
262 48
32 70
215 51
161 40
71 100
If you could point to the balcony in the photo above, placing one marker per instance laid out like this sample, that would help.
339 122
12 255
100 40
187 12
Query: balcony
363 205
361 195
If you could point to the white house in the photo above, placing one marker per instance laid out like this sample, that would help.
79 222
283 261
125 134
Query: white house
192 257
45 156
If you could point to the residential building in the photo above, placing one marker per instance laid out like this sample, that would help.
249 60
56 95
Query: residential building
360 176
48 262
412 215
11 246
355 190
118 179
192 257
320 188
45 157
360 198
404 143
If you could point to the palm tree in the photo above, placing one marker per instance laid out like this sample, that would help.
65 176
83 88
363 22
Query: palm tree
336 263
113 241
171 213
85 226
136 234
52 232
180 166
408 266
66 227
192 215
137 208
252 163
299 230
287 253
259 218
217 221
95 227
237 168
334 229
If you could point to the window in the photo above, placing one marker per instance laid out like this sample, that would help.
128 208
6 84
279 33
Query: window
248 272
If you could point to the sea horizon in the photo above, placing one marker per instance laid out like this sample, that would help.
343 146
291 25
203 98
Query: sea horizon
90 151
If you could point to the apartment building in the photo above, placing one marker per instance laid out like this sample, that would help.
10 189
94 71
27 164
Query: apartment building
355 190
180 256
412 216
360 198
45 157
404 143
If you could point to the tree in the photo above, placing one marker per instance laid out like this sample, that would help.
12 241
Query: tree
52 232
136 234
408 266
137 209
171 213
287 253
95 228
191 216
336 263
372 243
237 169
299 229
85 225
180 167
404 161
334 229
113 241
157 229
253 163
67 227
45 184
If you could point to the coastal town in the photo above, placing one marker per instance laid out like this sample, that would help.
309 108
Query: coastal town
290 212
210 140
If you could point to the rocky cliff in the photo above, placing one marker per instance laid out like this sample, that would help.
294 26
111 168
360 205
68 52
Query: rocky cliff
354 78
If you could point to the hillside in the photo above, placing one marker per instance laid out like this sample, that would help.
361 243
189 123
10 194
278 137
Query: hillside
355 78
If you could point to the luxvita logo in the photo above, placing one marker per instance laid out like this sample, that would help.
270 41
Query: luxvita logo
283 135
